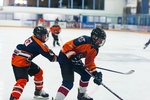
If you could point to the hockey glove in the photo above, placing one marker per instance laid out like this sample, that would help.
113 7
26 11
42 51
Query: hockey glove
97 77
76 60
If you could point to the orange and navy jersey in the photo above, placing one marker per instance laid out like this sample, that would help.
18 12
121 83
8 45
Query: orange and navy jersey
32 47
55 29
80 46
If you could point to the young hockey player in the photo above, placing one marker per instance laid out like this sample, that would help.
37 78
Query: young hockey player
146 44
55 30
23 66
70 61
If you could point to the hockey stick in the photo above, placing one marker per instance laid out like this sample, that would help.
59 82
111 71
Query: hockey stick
112 92
105 86
60 39
124 73
146 45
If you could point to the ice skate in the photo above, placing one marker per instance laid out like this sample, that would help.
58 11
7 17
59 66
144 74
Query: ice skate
12 98
83 96
40 94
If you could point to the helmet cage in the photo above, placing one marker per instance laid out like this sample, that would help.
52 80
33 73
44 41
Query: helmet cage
94 40
103 42
39 31
47 37
95 35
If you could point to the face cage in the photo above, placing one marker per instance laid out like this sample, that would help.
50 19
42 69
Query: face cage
103 42
47 37
97 46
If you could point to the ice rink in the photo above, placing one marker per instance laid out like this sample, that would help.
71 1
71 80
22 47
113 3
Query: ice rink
123 51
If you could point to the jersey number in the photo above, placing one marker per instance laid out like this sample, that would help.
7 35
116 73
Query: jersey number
28 41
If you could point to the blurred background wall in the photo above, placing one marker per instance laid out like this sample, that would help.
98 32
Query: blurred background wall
108 14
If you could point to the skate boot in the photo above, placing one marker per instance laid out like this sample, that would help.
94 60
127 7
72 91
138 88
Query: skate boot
40 94
83 96
12 98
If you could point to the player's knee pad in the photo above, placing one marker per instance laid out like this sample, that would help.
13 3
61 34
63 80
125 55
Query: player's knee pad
68 84
39 75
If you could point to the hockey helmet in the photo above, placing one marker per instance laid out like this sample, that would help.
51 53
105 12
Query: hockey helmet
96 34
39 31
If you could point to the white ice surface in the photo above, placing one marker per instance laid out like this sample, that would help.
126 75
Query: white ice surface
122 51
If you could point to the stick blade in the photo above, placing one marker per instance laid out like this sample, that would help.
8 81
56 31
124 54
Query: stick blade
130 72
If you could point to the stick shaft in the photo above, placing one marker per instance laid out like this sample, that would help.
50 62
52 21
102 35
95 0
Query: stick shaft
105 86
112 92
115 71
60 39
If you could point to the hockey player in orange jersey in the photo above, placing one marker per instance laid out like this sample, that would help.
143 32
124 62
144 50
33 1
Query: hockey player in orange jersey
41 22
23 65
55 30
70 61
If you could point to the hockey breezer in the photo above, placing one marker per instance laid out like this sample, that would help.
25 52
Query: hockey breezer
124 73
104 85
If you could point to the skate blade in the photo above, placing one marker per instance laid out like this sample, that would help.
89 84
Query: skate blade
40 98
